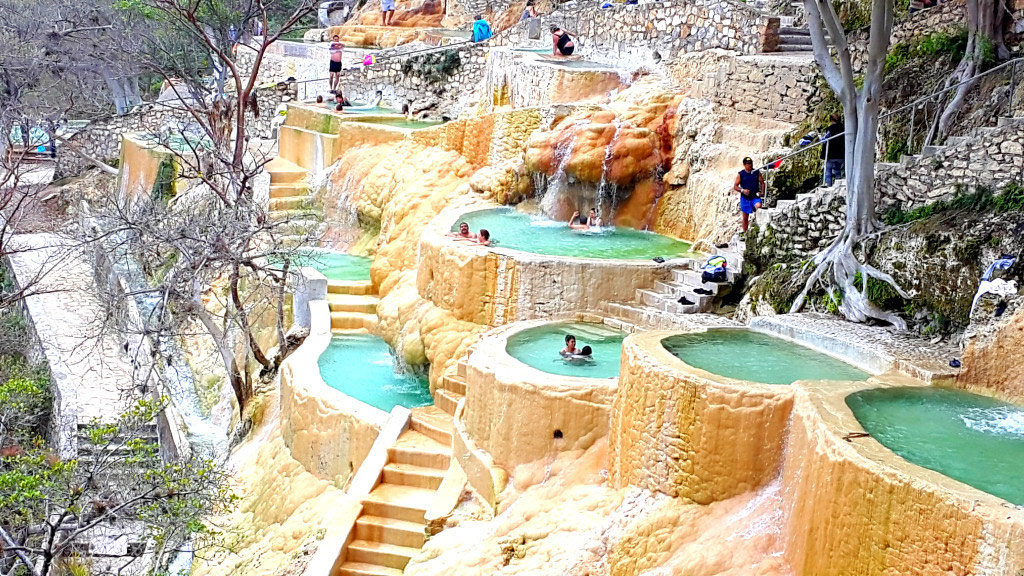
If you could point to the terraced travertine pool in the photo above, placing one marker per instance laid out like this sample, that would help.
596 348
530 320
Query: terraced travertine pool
539 235
971 438
401 123
747 355
538 347
364 367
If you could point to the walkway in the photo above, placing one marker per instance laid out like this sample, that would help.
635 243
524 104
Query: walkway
91 374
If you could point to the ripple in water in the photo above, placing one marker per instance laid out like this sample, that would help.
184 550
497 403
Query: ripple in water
1005 420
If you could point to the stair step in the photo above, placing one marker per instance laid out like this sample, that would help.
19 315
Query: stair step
453 384
353 321
957 140
364 304
380 553
389 530
792 31
929 151
406 503
363 569
461 369
692 278
354 287
434 431
793 48
412 475
290 202
795 39
447 400
289 190
1009 121
419 457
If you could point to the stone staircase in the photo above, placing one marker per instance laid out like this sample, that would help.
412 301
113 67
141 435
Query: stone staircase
353 306
392 527
290 201
452 388
793 39
975 134
108 455
660 307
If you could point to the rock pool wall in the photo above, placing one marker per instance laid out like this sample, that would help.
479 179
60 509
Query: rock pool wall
326 431
993 360
513 411
678 431
855 507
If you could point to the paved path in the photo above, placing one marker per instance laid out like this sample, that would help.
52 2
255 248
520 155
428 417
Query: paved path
90 371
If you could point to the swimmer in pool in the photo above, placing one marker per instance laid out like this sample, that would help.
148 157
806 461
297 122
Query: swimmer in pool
570 347
592 220
463 233
484 237
584 355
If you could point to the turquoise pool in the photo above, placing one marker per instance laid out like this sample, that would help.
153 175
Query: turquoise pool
336 265
747 355
363 367
538 347
402 123
539 235
971 438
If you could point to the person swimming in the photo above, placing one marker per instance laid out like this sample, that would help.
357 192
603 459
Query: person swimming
583 355
463 233
576 222
570 347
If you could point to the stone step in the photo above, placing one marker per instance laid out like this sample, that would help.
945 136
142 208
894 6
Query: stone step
390 531
792 31
957 140
692 278
412 475
379 553
364 304
792 48
363 569
784 204
447 400
284 171
640 316
398 502
354 287
419 457
290 202
433 429
291 190
982 131
353 321
929 151
1005 121
454 384
795 39
460 369
665 303
620 324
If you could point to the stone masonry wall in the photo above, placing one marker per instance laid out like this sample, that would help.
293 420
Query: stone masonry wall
670 28
799 230
946 18
420 87
773 87
101 139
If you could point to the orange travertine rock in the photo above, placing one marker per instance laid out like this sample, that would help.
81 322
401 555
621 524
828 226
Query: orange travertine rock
996 362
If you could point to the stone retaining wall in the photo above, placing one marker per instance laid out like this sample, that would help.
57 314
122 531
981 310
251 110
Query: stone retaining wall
799 230
780 88
912 27
670 28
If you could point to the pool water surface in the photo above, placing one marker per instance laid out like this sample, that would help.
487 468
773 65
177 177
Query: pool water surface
364 367
747 355
538 347
539 235
971 438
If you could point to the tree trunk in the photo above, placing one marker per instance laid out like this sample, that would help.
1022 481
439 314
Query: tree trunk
836 268
986 28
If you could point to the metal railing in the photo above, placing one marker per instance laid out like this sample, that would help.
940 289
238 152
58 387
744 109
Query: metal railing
935 98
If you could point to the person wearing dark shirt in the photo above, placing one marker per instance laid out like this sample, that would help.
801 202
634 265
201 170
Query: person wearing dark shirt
750 184
561 42
833 150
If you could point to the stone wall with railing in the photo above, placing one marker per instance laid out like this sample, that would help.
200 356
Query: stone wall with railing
637 31
946 18
799 230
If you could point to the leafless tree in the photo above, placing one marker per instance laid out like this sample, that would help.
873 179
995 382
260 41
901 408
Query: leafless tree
837 267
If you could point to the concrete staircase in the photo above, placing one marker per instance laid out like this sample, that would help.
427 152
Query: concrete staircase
452 388
291 204
391 528
660 307
353 306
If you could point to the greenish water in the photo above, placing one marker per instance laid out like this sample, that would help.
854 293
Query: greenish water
363 367
539 235
974 439
747 355
534 50
402 123
336 265
375 111
579 64
539 346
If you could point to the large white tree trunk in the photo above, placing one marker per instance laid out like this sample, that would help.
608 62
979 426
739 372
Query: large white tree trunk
837 268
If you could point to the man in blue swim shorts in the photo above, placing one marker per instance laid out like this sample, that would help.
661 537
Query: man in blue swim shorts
387 8
750 184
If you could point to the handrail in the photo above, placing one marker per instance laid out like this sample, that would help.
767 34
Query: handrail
924 99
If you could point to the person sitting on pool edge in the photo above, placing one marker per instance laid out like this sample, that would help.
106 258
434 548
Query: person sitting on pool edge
570 347
561 42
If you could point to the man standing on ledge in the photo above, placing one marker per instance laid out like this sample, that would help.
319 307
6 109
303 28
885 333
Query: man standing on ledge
750 184
387 8
337 50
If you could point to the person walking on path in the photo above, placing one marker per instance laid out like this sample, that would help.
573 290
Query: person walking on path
750 184
387 8
833 150
336 49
